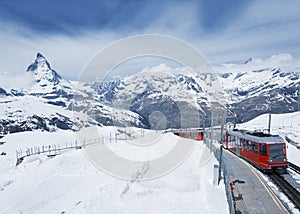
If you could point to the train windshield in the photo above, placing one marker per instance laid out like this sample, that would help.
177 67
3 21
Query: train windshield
277 152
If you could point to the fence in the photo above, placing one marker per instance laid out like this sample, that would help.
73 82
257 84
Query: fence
56 149
53 149
217 149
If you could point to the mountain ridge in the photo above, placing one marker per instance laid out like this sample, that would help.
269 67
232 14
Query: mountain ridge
132 101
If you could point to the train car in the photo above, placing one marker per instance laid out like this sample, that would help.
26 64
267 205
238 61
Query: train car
267 152
214 135
196 134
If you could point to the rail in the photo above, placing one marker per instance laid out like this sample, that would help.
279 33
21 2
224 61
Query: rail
294 167
286 188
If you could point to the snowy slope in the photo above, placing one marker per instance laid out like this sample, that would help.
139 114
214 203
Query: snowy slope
29 113
261 85
159 82
246 84
69 183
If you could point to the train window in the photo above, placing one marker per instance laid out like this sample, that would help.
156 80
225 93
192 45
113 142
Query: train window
231 140
242 142
245 144
255 147
250 146
263 150
277 152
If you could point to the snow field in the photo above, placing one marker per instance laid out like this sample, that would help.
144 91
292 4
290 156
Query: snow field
70 183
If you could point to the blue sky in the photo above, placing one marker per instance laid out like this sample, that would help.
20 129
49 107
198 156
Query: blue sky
75 17
69 33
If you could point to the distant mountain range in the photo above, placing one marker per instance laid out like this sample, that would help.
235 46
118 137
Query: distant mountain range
150 99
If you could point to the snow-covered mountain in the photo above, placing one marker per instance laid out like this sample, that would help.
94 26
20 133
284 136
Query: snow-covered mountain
250 89
155 89
26 113
48 83
152 98
42 102
258 87
47 102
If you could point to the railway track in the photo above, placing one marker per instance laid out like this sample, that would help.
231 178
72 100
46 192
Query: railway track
287 189
294 167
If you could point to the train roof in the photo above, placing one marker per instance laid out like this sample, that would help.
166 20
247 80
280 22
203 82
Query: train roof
257 136
185 130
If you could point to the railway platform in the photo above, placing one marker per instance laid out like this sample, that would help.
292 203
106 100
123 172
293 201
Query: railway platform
250 193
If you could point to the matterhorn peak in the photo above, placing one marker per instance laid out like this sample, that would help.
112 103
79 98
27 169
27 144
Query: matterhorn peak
40 62
42 72
39 55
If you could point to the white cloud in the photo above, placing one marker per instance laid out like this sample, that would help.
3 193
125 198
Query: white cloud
67 55
264 29
18 82
283 61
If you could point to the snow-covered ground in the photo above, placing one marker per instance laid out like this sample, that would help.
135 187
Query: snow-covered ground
17 108
283 125
70 183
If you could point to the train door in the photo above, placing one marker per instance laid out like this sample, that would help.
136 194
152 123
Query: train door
237 145
201 135
263 155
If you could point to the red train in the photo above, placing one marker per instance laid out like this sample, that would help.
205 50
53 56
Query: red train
196 134
267 152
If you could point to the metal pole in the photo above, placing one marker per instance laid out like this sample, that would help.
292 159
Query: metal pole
220 164
203 135
269 126
211 129
222 127
298 98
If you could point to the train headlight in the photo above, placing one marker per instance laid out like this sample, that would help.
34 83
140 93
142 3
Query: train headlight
270 160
